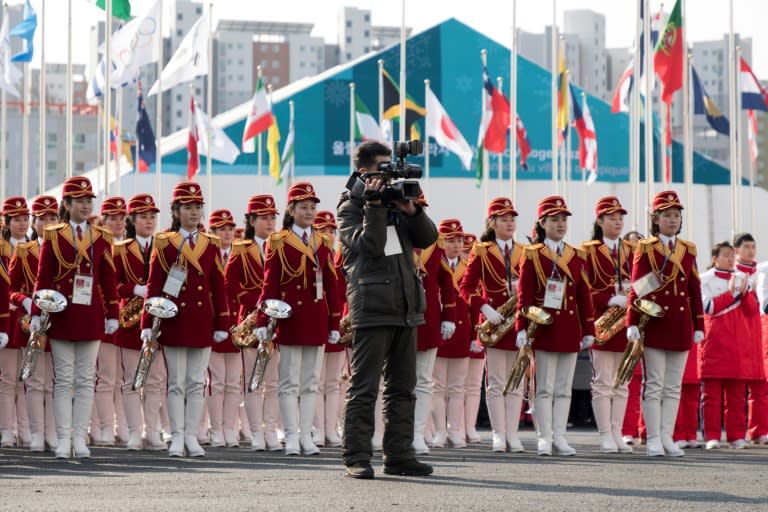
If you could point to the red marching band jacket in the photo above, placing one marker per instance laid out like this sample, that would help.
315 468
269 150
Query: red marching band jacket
130 269
56 270
243 278
289 275
341 294
5 289
603 279
439 291
202 301
226 346
458 345
485 282
23 271
574 319
679 294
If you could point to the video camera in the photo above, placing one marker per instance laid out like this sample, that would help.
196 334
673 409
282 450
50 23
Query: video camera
408 189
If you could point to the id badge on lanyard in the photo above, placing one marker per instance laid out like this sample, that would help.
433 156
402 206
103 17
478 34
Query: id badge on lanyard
553 296
318 284
646 284
82 290
177 276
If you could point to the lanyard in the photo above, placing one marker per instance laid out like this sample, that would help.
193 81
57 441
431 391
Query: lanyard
77 252
183 241
617 264
666 258
555 273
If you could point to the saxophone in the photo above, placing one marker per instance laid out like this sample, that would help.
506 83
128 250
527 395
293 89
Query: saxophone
130 314
489 334
634 350
49 301
609 324
242 333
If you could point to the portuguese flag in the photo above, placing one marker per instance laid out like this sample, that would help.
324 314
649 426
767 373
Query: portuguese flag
669 55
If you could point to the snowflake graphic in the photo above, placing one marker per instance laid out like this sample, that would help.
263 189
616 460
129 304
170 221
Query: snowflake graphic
337 93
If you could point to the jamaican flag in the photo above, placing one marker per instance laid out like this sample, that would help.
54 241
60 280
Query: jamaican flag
413 111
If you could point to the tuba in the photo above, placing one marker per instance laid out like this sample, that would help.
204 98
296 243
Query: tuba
159 308
49 301
275 310
345 328
130 313
536 316
609 324
242 333
634 350
489 334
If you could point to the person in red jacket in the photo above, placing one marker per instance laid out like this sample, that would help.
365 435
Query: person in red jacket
452 361
609 269
727 304
13 413
665 272
225 368
476 366
132 258
186 268
107 400
244 277
490 281
23 270
553 276
299 270
76 261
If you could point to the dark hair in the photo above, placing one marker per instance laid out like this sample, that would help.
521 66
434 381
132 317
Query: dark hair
63 212
741 238
597 229
7 228
288 218
175 216
130 226
488 234
250 231
366 153
538 231
716 250
638 234
655 225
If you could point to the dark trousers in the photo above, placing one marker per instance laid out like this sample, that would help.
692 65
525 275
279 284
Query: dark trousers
393 351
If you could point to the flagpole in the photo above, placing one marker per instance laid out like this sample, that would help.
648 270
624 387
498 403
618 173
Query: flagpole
513 108
68 121
426 144
209 104
3 130
99 144
648 65
159 116
500 161
736 120
351 126
553 99
687 128
25 137
381 96
107 90
485 163
292 128
403 114
259 160
137 146
732 114
42 137
635 121
584 198
665 171
118 139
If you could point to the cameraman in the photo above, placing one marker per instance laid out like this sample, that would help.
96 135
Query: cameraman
386 304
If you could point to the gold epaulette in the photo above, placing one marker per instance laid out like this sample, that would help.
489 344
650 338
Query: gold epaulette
440 242
646 244
124 243
119 248
105 232
6 249
276 239
163 239
51 231
240 246
590 246
581 253
22 249
215 240
480 248
532 249
628 245
690 246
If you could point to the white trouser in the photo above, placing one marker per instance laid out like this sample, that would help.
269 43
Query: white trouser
663 371
186 384
604 367
498 364
74 365
39 395
299 371
13 411
425 366
554 378
329 392
474 384
146 401
223 397
271 410
450 375
107 381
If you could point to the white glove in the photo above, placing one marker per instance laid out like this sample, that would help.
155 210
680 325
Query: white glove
587 341
3 339
219 336
447 329
522 338
698 337
140 290
27 303
34 324
146 335
110 326
633 333
475 347
334 337
261 334
491 314
618 300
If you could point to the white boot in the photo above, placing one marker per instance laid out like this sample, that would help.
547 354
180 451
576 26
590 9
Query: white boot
63 448
230 419
36 415
193 446
271 418
560 410
51 438
618 408
471 407
455 421
601 407
498 416
543 417
176 449
258 444
306 418
668 419
421 411
652 415
193 411
80 448
215 406
104 408
439 421
513 406
318 420
332 438
254 410
289 409
133 420
176 417
151 408
81 414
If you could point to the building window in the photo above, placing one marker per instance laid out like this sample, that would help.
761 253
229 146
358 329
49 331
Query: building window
366 49
51 165
179 16
349 23
275 64
349 39
79 166
197 91
239 46
275 80
349 56
367 18
51 137
301 64
366 33
178 97
302 48
79 138
264 48
179 32
199 10
275 48
178 114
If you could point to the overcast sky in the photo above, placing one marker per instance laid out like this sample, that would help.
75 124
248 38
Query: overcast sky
705 20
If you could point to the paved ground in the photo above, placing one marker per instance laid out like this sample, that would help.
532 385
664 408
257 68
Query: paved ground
467 479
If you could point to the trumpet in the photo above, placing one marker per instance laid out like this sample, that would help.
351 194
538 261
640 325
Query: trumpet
242 333
275 310
489 334
49 301
159 308
536 317
130 314
635 349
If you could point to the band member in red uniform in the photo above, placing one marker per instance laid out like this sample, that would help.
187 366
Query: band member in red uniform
609 269
634 426
476 367
452 361
244 277
132 257
76 260
225 369
107 399
553 276
13 410
494 267
329 392
299 270
23 271
186 268
664 271
754 357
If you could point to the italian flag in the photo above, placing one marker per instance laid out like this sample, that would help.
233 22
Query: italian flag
120 8
669 55
366 127
259 117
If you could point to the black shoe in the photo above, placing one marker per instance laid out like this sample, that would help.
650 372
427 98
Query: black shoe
408 468
361 470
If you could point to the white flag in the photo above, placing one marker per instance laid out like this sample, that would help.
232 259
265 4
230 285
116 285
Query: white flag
445 133
222 147
190 59
135 45
9 74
